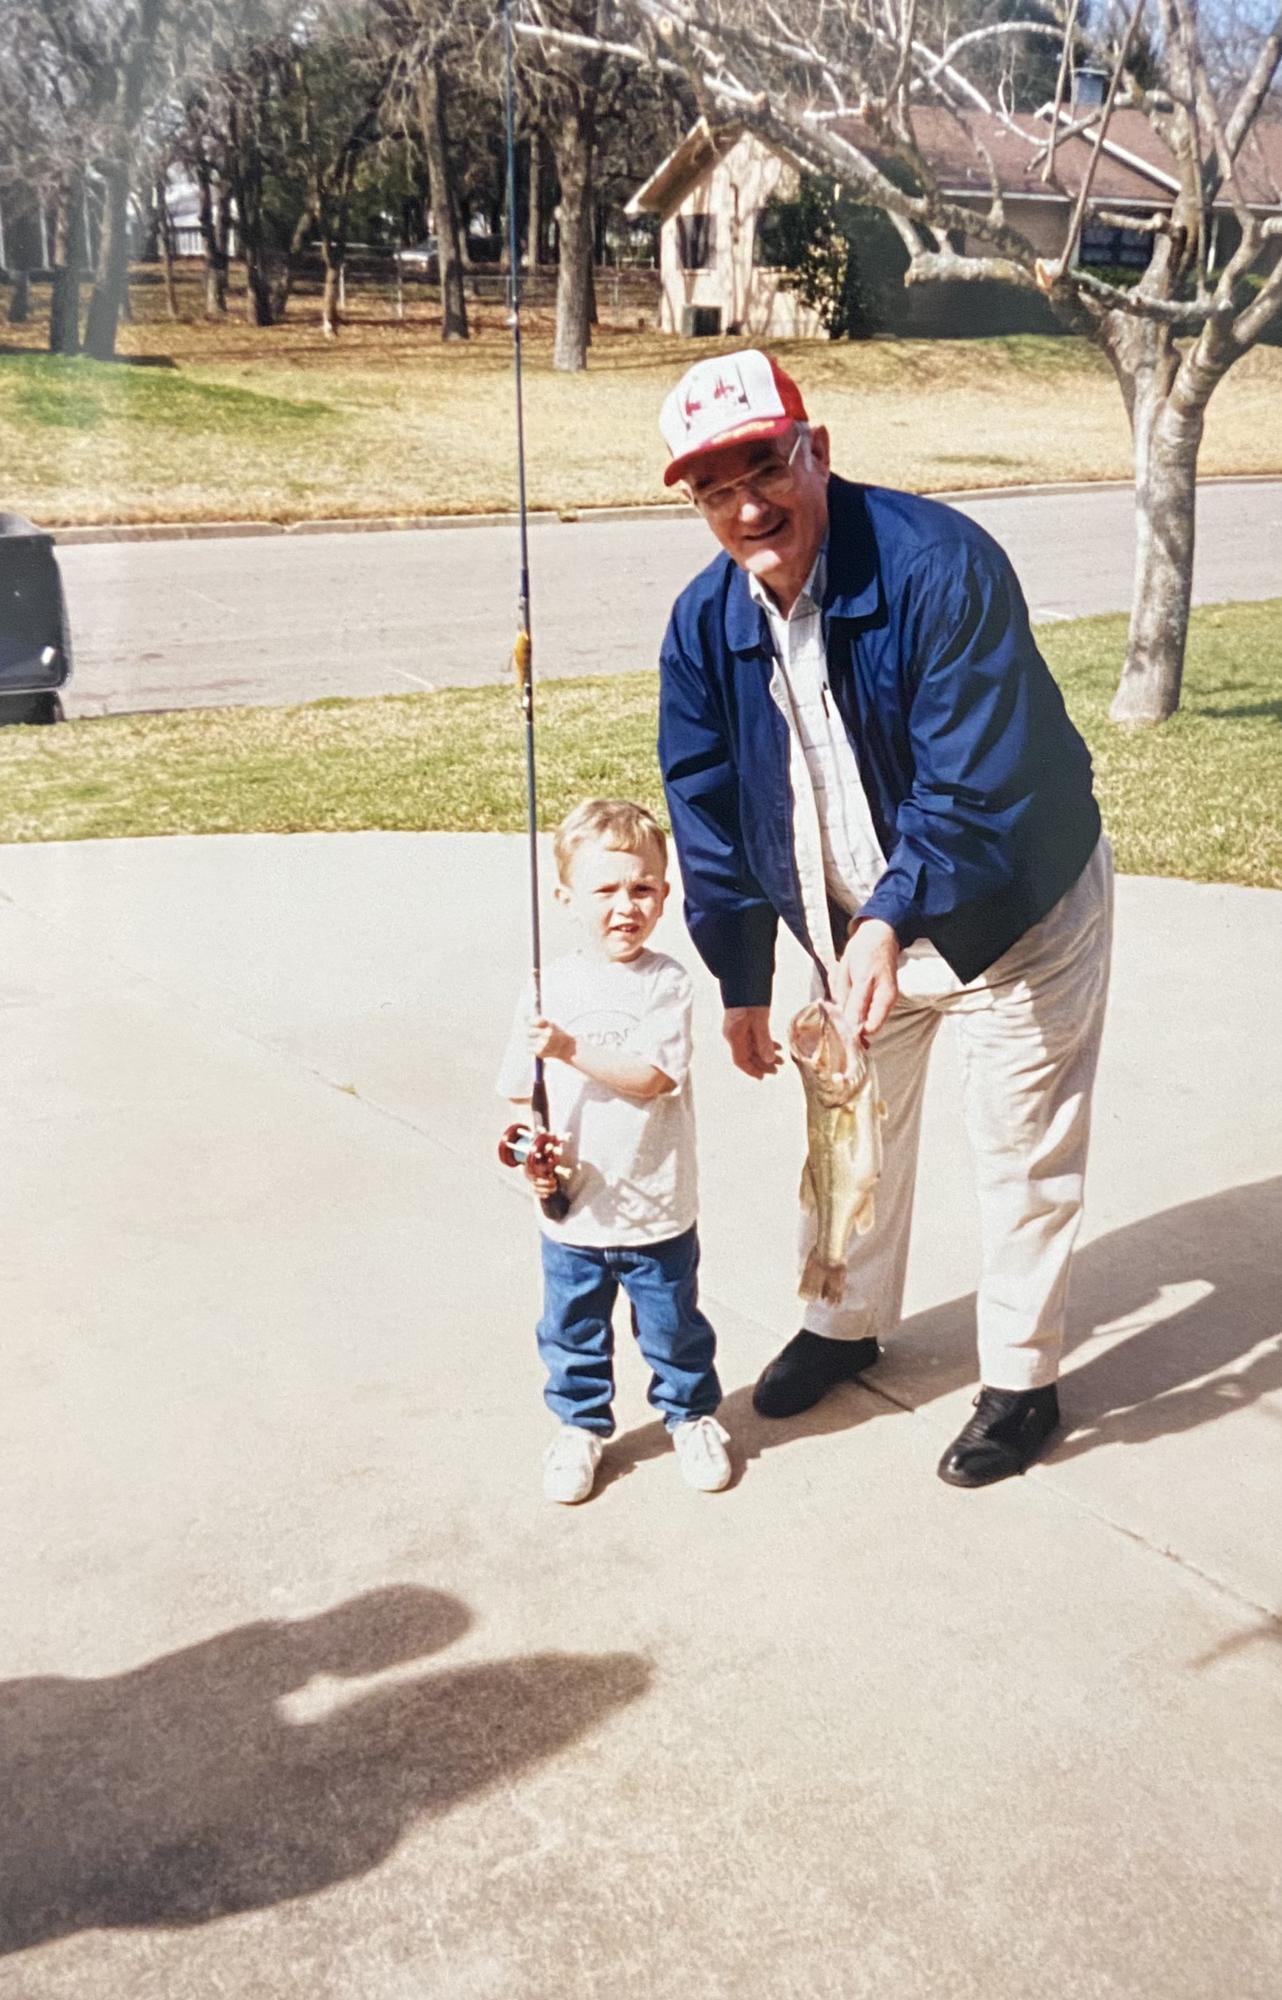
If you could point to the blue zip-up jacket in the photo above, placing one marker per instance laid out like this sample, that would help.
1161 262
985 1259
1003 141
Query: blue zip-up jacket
979 785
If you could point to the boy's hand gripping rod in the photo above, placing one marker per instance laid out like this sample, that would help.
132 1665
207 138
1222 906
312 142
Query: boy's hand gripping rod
533 1147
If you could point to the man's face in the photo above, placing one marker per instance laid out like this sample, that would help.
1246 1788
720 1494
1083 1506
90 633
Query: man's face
773 527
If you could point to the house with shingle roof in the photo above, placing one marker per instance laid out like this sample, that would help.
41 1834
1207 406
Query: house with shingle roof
715 190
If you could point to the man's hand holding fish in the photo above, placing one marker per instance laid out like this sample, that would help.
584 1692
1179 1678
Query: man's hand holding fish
866 983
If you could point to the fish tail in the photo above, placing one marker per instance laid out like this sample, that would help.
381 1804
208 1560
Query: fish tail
820 1280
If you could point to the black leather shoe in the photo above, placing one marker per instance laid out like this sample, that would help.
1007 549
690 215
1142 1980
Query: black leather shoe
1007 1431
806 1369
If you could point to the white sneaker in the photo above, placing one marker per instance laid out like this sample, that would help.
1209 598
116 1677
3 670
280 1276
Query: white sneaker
570 1463
701 1452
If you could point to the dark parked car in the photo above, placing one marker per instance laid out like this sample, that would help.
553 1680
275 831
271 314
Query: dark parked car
35 640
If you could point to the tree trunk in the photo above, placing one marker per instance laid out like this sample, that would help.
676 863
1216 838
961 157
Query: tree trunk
68 251
214 226
334 255
20 298
258 291
149 250
329 296
432 111
533 222
111 269
223 243
165 233
573 148
1166 431
112 274
246 177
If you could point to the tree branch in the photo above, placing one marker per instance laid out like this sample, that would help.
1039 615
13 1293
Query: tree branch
1256 89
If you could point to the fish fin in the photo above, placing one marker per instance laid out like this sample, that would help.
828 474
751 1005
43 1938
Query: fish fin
881 1108
807 1191
822 1281
866 1214
813 1275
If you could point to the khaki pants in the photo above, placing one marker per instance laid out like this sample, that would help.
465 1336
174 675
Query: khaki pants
1029 1031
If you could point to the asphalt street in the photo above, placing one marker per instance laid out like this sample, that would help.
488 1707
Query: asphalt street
283 618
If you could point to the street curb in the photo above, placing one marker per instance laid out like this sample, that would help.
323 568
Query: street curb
956 494
384 524
377 524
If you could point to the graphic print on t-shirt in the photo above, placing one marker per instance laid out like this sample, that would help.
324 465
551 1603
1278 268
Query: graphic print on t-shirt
605 1030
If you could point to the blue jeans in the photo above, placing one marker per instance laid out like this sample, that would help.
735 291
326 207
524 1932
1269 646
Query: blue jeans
576 1338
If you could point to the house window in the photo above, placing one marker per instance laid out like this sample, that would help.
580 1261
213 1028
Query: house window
1128 249
778 240
696 241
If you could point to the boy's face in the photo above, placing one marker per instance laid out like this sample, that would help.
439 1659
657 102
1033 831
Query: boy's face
615 896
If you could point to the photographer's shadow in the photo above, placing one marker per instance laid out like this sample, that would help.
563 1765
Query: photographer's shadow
185 1790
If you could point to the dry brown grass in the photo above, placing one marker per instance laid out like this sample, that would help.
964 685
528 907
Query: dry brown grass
230 422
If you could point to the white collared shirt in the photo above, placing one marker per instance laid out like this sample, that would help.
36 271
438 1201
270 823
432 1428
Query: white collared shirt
837 849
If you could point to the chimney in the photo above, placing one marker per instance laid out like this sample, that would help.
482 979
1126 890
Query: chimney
1090 87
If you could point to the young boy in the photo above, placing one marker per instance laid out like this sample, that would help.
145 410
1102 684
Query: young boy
615 1037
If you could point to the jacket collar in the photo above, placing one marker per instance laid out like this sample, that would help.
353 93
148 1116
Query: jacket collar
854 586
854 580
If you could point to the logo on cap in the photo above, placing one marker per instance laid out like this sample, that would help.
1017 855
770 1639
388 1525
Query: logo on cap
725 388
724 398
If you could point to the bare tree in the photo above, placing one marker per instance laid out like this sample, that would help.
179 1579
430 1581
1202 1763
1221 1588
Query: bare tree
50 113
841 88
437 45
201 147
127 59
341 75
565 82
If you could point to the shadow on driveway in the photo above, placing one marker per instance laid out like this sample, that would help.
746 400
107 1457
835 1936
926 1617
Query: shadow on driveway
1174 1372
183 1791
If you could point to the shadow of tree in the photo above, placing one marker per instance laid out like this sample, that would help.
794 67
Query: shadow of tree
1272 710
1168 1373
184 1790
1173 1372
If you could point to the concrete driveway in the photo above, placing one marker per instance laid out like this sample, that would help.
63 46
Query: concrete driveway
306 1694
293 617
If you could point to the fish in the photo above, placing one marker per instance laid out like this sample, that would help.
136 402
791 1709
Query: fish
843 1133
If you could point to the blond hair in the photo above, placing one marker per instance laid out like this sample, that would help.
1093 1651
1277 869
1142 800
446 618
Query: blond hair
616 823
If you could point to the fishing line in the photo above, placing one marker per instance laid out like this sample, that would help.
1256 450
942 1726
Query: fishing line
523 649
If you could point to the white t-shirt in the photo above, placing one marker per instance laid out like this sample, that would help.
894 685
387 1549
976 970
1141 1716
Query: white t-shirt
634 1177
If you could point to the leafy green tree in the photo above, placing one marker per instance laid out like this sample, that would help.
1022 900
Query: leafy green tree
844 259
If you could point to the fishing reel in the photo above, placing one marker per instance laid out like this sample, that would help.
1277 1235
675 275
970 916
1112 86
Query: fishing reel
542 1154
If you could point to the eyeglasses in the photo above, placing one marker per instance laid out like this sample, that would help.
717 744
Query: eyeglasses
769 481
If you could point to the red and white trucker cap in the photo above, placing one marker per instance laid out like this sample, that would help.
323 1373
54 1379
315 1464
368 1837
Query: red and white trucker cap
723 401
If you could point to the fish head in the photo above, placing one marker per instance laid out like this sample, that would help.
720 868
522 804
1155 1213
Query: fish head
828 1051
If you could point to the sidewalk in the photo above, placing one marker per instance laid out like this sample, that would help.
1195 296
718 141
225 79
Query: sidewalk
306 1694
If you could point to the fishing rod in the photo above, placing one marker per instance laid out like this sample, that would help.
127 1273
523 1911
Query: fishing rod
533 1147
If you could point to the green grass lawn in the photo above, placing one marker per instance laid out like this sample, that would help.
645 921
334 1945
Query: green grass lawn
1200 797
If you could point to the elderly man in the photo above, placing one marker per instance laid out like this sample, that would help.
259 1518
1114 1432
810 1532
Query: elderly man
858 735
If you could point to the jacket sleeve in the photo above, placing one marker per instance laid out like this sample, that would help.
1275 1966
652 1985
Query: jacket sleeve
983 716
730 920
